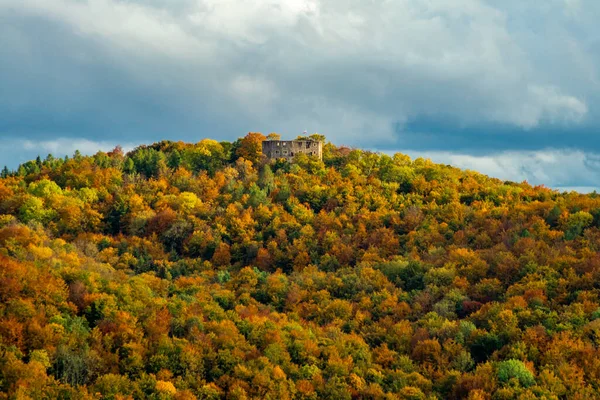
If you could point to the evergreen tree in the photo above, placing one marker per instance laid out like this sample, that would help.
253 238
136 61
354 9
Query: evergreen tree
174 159
129 166
266 179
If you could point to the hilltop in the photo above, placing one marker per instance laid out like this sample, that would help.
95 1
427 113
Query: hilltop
182 271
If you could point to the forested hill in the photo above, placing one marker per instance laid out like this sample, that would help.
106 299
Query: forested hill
183 271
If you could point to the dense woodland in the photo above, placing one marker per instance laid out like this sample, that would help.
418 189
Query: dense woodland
184 271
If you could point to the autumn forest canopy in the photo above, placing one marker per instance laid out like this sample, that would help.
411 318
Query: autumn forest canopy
205 271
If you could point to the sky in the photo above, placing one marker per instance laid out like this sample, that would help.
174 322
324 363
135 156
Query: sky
509 88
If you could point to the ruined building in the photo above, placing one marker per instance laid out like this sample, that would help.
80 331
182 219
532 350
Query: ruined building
287 149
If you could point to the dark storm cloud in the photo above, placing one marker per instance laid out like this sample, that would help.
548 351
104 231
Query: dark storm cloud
435 134
58 83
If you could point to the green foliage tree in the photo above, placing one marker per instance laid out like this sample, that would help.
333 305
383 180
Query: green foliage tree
515 369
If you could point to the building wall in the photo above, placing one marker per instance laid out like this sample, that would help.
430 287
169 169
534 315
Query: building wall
287 149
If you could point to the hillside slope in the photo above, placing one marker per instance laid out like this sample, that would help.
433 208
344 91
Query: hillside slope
182 271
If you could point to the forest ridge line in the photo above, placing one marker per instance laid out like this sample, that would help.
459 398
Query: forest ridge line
207 270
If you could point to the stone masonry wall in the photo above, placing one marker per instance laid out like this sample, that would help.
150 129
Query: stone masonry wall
287 149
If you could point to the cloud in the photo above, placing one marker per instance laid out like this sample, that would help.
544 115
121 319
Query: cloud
400 59
558 169
468 76
20 151
63 146
547 103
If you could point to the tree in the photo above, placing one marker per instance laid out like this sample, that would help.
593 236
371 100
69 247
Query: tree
318 137
576 223
174 159
71 366
184 270
33 209
149 162
250 147
257 197
222 255
266 179
515 369
129 166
